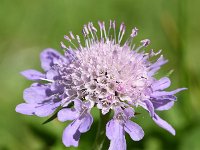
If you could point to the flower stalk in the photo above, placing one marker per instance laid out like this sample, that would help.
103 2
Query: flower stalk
100 136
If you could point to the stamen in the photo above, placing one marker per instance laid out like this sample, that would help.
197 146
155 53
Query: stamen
145 42
110 26
69 40
86 29
134 32
94 30
63 45
104 30
130 39
114 28
87 43
152 53
101 28
123 31
83 32
90 29
71 34
87 35
79 41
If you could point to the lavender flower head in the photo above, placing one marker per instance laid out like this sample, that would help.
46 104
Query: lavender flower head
104 73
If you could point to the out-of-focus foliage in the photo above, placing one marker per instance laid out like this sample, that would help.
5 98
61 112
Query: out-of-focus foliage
27 27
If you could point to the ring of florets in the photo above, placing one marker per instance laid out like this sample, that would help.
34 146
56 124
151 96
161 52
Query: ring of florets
102 84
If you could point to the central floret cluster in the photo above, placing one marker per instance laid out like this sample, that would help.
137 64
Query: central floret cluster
104 73
108 75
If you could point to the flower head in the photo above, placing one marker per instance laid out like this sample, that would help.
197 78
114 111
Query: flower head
104 73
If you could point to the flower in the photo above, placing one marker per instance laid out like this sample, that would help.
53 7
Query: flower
102 72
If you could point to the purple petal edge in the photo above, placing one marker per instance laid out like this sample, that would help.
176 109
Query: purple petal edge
33 75
163 124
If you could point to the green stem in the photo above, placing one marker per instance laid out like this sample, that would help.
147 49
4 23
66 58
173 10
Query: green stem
100 136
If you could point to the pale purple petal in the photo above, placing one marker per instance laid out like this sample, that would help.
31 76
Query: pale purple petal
153 71
134 130
86 123
163 102
156 66
45 110
35 94
78 104
150 107
129 112
161 84
49 57
163 93
51 74
26 109
118 110
163 124
161 61
165 105
56 88
67 114
116 136
110 129
32 74
71 134
166 97
118 144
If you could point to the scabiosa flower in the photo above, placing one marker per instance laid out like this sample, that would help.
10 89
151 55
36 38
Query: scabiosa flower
101 73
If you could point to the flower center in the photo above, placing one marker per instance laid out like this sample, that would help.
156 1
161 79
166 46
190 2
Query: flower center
107 75
104 72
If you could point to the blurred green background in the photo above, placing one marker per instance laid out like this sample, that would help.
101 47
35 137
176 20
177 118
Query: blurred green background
27 27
